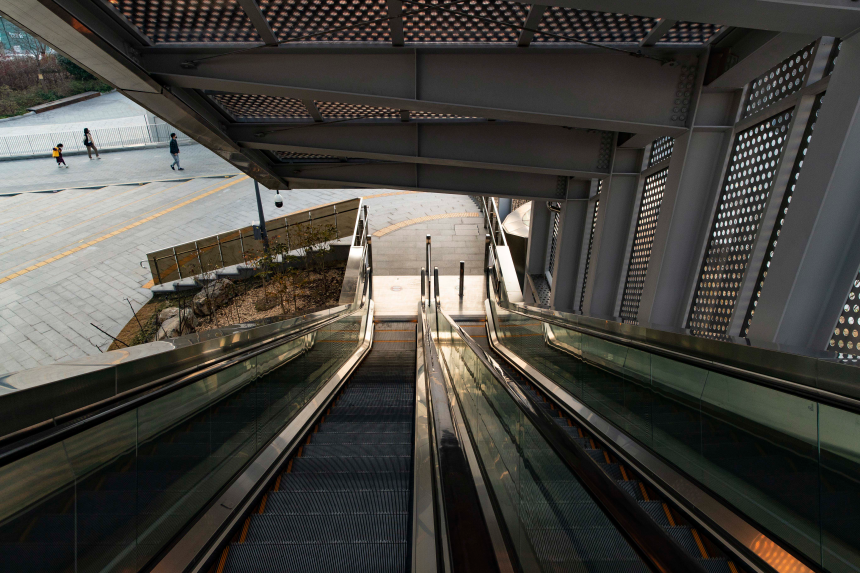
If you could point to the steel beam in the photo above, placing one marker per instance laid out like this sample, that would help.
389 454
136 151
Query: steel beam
588 89
586 234
816 258
532 22
418 177
573 216
493 145
759 51
816 17
659 30
255 15
395 25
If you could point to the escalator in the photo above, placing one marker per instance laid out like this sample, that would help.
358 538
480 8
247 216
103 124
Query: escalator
343 503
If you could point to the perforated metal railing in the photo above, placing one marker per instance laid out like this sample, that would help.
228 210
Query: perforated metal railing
643 240
846 336
778 82
550 265
304 18
783 210
189 20
749 180
661 150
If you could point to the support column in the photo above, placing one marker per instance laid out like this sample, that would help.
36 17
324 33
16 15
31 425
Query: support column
817 258
568 253
617 199
539 229
586 234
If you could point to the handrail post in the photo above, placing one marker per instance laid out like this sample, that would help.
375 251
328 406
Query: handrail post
462 272
369 253
436 285
427 256
423 286
486 252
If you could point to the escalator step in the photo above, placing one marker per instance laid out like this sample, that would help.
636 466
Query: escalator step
401 481
543 515
318 558
582 544
316 450
656 511
400 438
354 464
338 528
338 503
330 427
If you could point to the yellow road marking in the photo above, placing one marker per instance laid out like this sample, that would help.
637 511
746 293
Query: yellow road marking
397 226
118 231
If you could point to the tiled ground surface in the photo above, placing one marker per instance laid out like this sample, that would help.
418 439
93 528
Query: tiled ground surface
107 106
45 313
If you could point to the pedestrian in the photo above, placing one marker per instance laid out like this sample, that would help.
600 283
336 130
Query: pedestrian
90 144
58 155
174 151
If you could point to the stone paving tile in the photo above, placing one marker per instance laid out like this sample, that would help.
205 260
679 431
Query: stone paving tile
107 106
45 314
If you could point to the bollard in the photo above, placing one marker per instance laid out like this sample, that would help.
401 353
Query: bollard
462 272
436 284
486 252
423 289
369 253
427 256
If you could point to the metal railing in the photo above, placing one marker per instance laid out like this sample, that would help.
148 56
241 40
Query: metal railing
41 144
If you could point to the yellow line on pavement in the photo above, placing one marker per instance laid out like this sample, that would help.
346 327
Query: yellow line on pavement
117 232
400 225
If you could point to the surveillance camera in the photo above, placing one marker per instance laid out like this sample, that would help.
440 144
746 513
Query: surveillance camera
279 201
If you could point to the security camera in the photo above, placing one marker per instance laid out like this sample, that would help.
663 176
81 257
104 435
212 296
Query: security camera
279 201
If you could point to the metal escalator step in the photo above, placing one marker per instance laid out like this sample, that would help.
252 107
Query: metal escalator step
365 428
570 491
656 511
632 488
314 528
317 450
337 503
595 567
353 464
684 537
318 558
583 544
400 481
715 565
399 438
613 471
555 515
366 417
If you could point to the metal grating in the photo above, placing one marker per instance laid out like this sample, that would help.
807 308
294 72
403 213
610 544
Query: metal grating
846 336
592 26
251 107
293 156
553 243
590 244
333 110
440 26
780 81
755 158
643 240
661 150
690 33
304 18
189 20
783 210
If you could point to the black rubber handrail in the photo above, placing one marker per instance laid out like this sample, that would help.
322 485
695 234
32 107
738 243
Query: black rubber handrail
469 542
651 542
794 388
100 412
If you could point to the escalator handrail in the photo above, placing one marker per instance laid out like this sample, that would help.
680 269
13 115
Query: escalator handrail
650 540
468 540
73 423
801 390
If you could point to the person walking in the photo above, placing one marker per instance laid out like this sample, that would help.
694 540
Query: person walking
174 151
90 144
58 155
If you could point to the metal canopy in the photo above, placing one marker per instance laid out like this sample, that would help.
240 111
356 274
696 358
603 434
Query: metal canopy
487 86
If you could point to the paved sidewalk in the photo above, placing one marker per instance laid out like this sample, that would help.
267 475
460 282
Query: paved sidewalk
63 286
144 165
107 106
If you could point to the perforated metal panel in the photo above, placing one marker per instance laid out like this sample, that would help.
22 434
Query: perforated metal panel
783 210
253 107
778 82
690 33
334 110
592 26
834 56
550 265
749 180
304 18
846 336
189 20
435 26
643 240
661 150
590 244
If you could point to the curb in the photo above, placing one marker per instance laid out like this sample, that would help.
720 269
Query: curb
47 155
103 185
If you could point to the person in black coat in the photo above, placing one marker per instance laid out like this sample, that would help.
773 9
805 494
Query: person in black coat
174 151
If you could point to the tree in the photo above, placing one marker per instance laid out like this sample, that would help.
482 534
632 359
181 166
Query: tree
74 69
